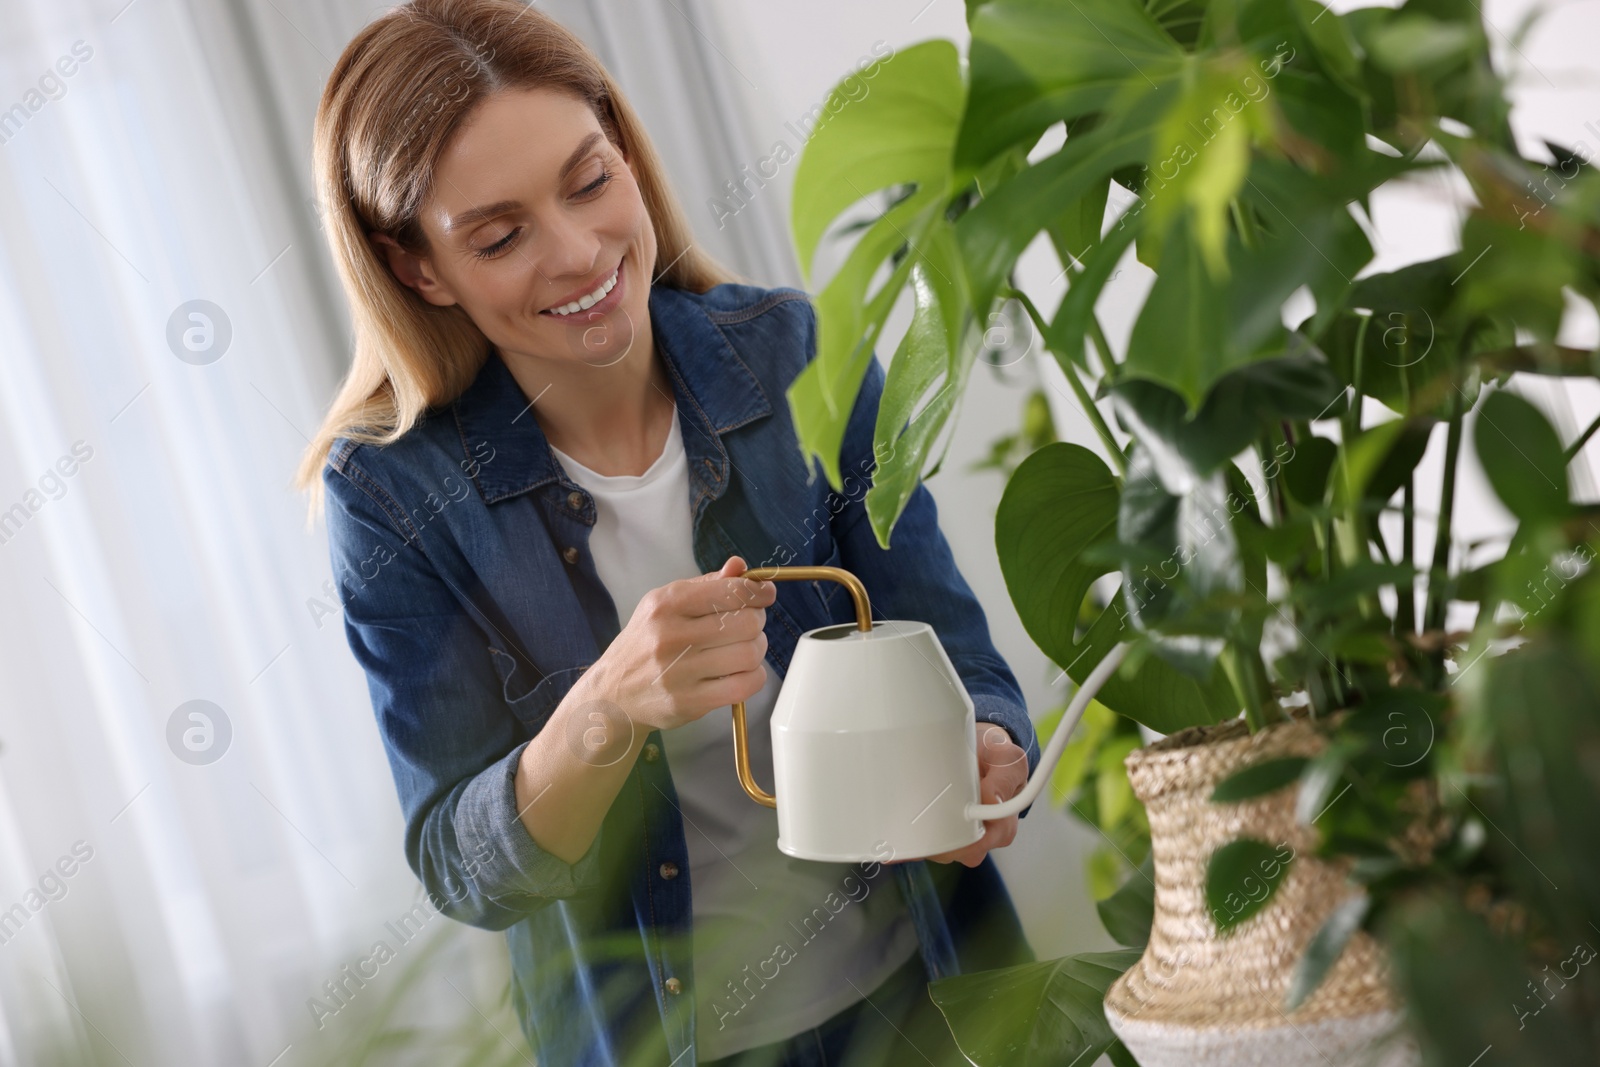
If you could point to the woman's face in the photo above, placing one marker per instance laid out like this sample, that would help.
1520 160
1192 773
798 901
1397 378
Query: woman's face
533 213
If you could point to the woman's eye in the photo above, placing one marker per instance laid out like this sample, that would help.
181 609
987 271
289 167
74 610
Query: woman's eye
505 242
491 250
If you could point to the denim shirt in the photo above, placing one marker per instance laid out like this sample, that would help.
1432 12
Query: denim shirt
472 604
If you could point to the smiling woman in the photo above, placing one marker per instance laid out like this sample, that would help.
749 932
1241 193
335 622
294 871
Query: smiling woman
431 186
545 655
542 241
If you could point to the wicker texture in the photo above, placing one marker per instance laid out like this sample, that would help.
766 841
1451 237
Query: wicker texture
1190 979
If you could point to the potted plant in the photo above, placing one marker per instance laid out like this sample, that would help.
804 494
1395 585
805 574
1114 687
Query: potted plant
1346 691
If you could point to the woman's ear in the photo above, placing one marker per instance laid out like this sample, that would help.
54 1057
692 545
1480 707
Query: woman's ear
413 271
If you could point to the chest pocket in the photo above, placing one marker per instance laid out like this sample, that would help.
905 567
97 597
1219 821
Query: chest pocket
530 697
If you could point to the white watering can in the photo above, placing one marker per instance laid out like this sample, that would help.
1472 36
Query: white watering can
874 743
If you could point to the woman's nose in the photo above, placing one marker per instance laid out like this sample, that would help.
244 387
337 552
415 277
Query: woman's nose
570 254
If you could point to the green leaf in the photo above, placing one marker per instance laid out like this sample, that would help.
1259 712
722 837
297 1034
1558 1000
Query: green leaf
1539 702
900 135
1120 1056
1035 1015
1037 62
1061 501
901 132
1409 350
1335 46
1241 878
1323 950
1359 461
1129 913
997 230
1466 989
1513 269
1305 474
1400 460
822 395
1192 537
1417 43
940 342
1258 779
1113 791
1076 229
1193 328
1240 404
1066 332
1522 456
1206 137
1317 781
1093 729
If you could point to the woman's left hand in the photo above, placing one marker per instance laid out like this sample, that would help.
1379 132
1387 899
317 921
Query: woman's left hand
1002 772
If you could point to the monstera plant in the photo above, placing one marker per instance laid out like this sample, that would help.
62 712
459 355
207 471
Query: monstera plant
1285 556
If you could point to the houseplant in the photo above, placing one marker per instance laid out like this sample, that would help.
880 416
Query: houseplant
1286 559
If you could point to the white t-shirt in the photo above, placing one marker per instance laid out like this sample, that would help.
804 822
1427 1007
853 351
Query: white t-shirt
778 941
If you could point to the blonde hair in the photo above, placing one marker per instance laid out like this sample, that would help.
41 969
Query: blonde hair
397 94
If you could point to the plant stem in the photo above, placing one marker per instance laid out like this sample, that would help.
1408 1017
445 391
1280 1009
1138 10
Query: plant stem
1248 675
1276 496
1246 225
1583 438
1355 544
1084 400
1433 615
1099 422
1405 615
1101 345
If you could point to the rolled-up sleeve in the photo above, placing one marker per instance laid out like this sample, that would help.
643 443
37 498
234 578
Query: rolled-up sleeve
917 578
452 740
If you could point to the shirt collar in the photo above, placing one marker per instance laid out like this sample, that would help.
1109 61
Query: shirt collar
715 390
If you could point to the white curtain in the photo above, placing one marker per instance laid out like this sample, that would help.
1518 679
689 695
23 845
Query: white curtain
198 830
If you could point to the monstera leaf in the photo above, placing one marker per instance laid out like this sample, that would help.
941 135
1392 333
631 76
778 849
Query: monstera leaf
1034 1015
1060 502
899 135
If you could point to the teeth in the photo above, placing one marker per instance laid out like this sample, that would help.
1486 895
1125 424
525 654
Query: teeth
585 302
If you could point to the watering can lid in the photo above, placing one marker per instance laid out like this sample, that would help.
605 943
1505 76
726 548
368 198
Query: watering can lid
882 630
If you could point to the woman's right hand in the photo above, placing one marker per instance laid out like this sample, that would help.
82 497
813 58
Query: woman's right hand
691 646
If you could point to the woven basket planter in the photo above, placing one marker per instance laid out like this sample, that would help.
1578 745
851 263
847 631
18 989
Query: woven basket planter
1197 998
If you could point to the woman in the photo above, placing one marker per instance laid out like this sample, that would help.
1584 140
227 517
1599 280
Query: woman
563 435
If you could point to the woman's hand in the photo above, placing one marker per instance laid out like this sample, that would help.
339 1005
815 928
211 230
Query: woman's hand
1002 772
691 646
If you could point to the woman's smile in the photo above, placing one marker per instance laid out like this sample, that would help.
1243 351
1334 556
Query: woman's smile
571 310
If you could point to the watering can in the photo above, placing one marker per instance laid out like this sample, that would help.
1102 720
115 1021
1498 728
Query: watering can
874 742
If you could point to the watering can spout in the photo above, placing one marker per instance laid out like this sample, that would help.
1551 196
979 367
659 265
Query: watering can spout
1058 741
873 738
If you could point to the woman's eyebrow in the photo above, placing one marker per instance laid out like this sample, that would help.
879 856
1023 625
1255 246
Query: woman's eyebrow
489 211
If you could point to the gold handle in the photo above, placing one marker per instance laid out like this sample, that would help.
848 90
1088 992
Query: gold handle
741 739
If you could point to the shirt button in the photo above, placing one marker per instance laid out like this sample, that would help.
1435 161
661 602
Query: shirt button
669 870
652 752
673 986
575 500
570 553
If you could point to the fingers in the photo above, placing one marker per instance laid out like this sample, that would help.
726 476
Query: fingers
729 628
997 833
727 659
715 692
722 592
996 749
1001 762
